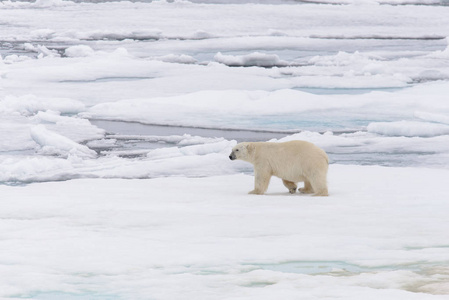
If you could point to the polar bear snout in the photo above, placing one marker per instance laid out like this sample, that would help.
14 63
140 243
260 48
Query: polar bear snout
232 156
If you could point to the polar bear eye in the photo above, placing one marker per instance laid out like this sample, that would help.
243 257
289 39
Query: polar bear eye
236 150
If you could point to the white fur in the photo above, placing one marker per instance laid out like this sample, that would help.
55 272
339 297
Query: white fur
293 162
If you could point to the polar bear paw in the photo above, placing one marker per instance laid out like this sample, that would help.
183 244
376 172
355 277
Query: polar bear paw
255 192
306 190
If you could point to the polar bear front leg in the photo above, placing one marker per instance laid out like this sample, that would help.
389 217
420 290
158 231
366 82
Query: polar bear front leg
261 181
291 186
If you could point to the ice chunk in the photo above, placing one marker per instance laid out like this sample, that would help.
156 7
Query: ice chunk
408 128
79 51
77 129
30 47
254 59
55 144
179 59
45 52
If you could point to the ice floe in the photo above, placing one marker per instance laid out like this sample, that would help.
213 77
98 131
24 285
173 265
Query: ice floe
164 236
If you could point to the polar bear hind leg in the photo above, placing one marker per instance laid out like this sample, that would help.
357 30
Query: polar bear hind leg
319 186
307 189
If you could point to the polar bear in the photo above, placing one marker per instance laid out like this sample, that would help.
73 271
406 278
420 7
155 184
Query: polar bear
293 162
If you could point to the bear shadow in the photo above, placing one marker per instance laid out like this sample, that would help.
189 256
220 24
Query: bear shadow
288 194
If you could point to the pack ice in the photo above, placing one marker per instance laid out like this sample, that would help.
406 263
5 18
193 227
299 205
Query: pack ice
117 119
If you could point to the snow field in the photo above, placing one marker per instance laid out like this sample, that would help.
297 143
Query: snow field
380 234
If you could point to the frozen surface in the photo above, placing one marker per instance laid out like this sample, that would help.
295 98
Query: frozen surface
158 92
382 234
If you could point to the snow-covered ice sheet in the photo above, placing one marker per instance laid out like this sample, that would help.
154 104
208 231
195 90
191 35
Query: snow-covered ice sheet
382 233
284 109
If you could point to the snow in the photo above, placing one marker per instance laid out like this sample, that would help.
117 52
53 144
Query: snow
115 181
205 238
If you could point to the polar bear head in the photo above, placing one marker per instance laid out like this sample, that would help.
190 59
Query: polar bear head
241 151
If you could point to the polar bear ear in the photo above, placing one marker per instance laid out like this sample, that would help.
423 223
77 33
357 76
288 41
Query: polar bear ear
250 148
